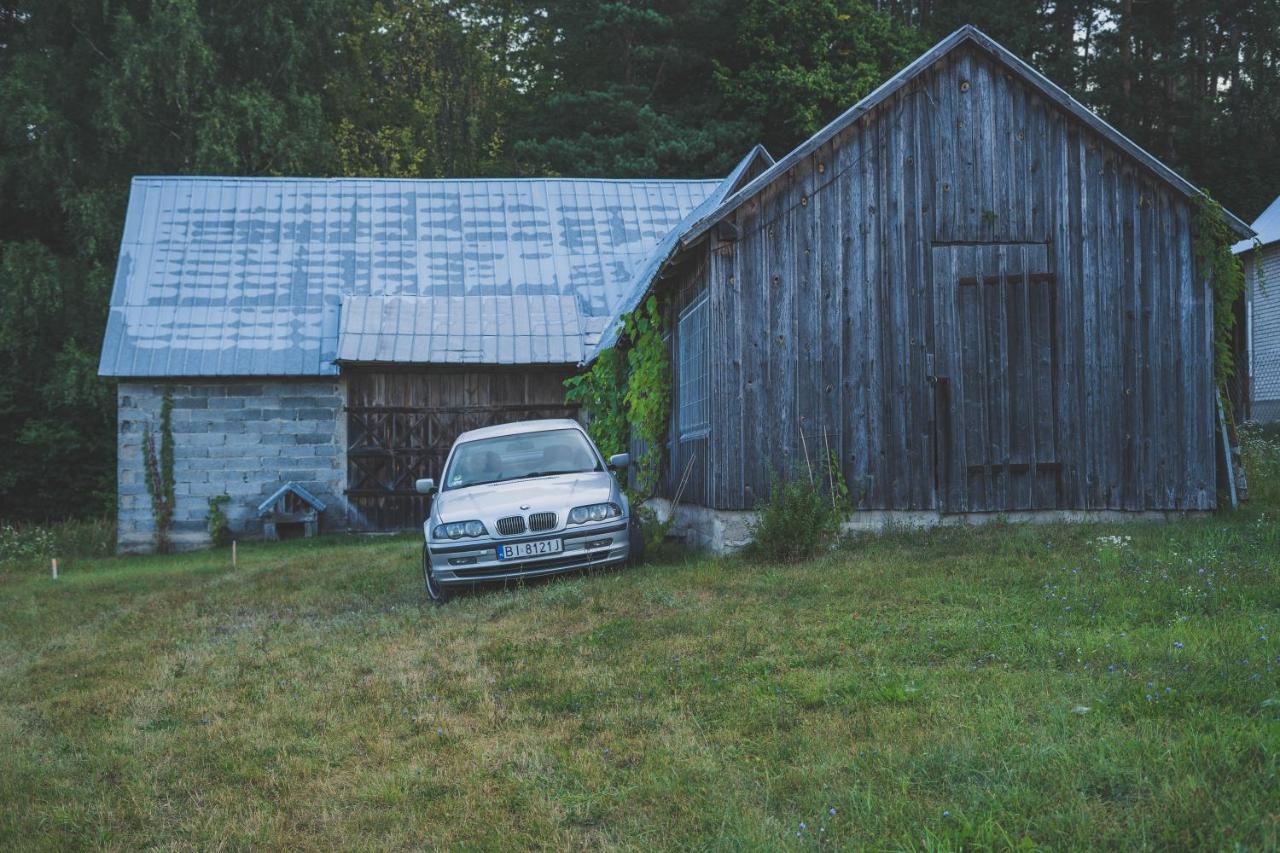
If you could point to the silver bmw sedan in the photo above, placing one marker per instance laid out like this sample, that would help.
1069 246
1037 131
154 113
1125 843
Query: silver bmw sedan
523 500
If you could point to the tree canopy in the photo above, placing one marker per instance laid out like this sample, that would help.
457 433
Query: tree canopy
93 92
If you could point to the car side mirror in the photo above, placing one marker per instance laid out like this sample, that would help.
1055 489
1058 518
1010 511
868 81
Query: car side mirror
425 486
620 460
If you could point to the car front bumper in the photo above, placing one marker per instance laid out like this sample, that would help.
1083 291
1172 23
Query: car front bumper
581 547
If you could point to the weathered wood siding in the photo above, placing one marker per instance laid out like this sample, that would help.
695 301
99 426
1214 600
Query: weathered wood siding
401 424
975 302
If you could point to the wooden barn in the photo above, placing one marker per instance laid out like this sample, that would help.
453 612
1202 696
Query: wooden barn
974 292
968 289
338 334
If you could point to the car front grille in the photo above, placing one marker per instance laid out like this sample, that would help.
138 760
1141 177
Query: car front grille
511 525
542 521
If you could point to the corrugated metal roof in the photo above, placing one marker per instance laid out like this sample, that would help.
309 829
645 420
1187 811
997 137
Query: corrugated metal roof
460 330
1267 227
249 276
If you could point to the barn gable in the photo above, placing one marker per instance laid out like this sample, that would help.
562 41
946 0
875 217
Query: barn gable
967 37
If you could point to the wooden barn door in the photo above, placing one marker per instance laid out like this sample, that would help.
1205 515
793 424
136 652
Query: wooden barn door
995 353
400 427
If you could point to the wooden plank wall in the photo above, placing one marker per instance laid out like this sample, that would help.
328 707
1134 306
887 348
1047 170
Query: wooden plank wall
401 425
829 317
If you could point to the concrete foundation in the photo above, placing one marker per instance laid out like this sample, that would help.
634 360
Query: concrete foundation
240 438
725 531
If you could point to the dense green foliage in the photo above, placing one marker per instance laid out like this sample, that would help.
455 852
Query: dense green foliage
627 391
93 92
1225 274
601 391
648 391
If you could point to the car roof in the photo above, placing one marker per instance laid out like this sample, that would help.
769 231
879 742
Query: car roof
518 428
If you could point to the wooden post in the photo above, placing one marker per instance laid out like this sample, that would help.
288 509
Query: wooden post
233 553
1226 453
53 567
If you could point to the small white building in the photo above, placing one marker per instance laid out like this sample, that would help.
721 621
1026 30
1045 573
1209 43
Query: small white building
1262 313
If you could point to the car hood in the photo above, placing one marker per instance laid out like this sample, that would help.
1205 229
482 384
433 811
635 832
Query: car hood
540 494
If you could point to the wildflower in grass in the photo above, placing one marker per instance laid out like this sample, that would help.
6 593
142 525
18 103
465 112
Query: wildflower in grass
832 811
1177 644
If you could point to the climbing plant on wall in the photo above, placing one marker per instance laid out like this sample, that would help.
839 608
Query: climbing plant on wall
600 391
159 471
627 391
648 391
1217 264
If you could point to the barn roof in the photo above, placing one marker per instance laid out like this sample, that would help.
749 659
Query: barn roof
281 277
1267 227
667 246
966 35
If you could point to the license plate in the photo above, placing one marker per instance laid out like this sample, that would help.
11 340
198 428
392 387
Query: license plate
521 550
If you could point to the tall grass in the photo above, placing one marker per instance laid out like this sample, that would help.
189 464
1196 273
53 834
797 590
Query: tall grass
1260 446
26 546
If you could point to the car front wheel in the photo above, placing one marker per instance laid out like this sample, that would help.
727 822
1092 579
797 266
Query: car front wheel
437 592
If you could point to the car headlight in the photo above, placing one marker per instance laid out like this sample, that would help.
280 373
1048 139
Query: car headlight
594 512
459 529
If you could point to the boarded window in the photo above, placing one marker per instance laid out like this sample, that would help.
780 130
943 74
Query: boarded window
996 386
1007 399
692 393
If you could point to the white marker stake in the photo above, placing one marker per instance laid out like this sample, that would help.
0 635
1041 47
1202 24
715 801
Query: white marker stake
233 553
53 567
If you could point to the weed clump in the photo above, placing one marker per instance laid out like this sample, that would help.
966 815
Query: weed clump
802 515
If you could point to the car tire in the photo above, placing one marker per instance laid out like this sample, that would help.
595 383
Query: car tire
635 541
437 592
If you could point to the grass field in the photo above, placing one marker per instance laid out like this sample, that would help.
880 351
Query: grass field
1050 686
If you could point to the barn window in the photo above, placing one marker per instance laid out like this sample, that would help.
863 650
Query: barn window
692 392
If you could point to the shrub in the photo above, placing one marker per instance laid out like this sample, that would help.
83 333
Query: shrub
801 516
219 526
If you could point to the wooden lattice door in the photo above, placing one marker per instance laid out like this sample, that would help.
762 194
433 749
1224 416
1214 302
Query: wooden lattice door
400 427
995 378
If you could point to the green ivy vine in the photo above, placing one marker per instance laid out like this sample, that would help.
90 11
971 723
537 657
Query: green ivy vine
218 524
159 472
601 390
628 388
1215 261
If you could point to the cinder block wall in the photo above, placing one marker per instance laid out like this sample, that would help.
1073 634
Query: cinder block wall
241 438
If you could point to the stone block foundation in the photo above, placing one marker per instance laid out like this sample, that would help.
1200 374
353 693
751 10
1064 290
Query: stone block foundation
723 531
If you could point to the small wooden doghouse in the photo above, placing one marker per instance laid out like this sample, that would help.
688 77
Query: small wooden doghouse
290 513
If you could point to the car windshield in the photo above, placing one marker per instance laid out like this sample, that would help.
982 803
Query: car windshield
516 457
